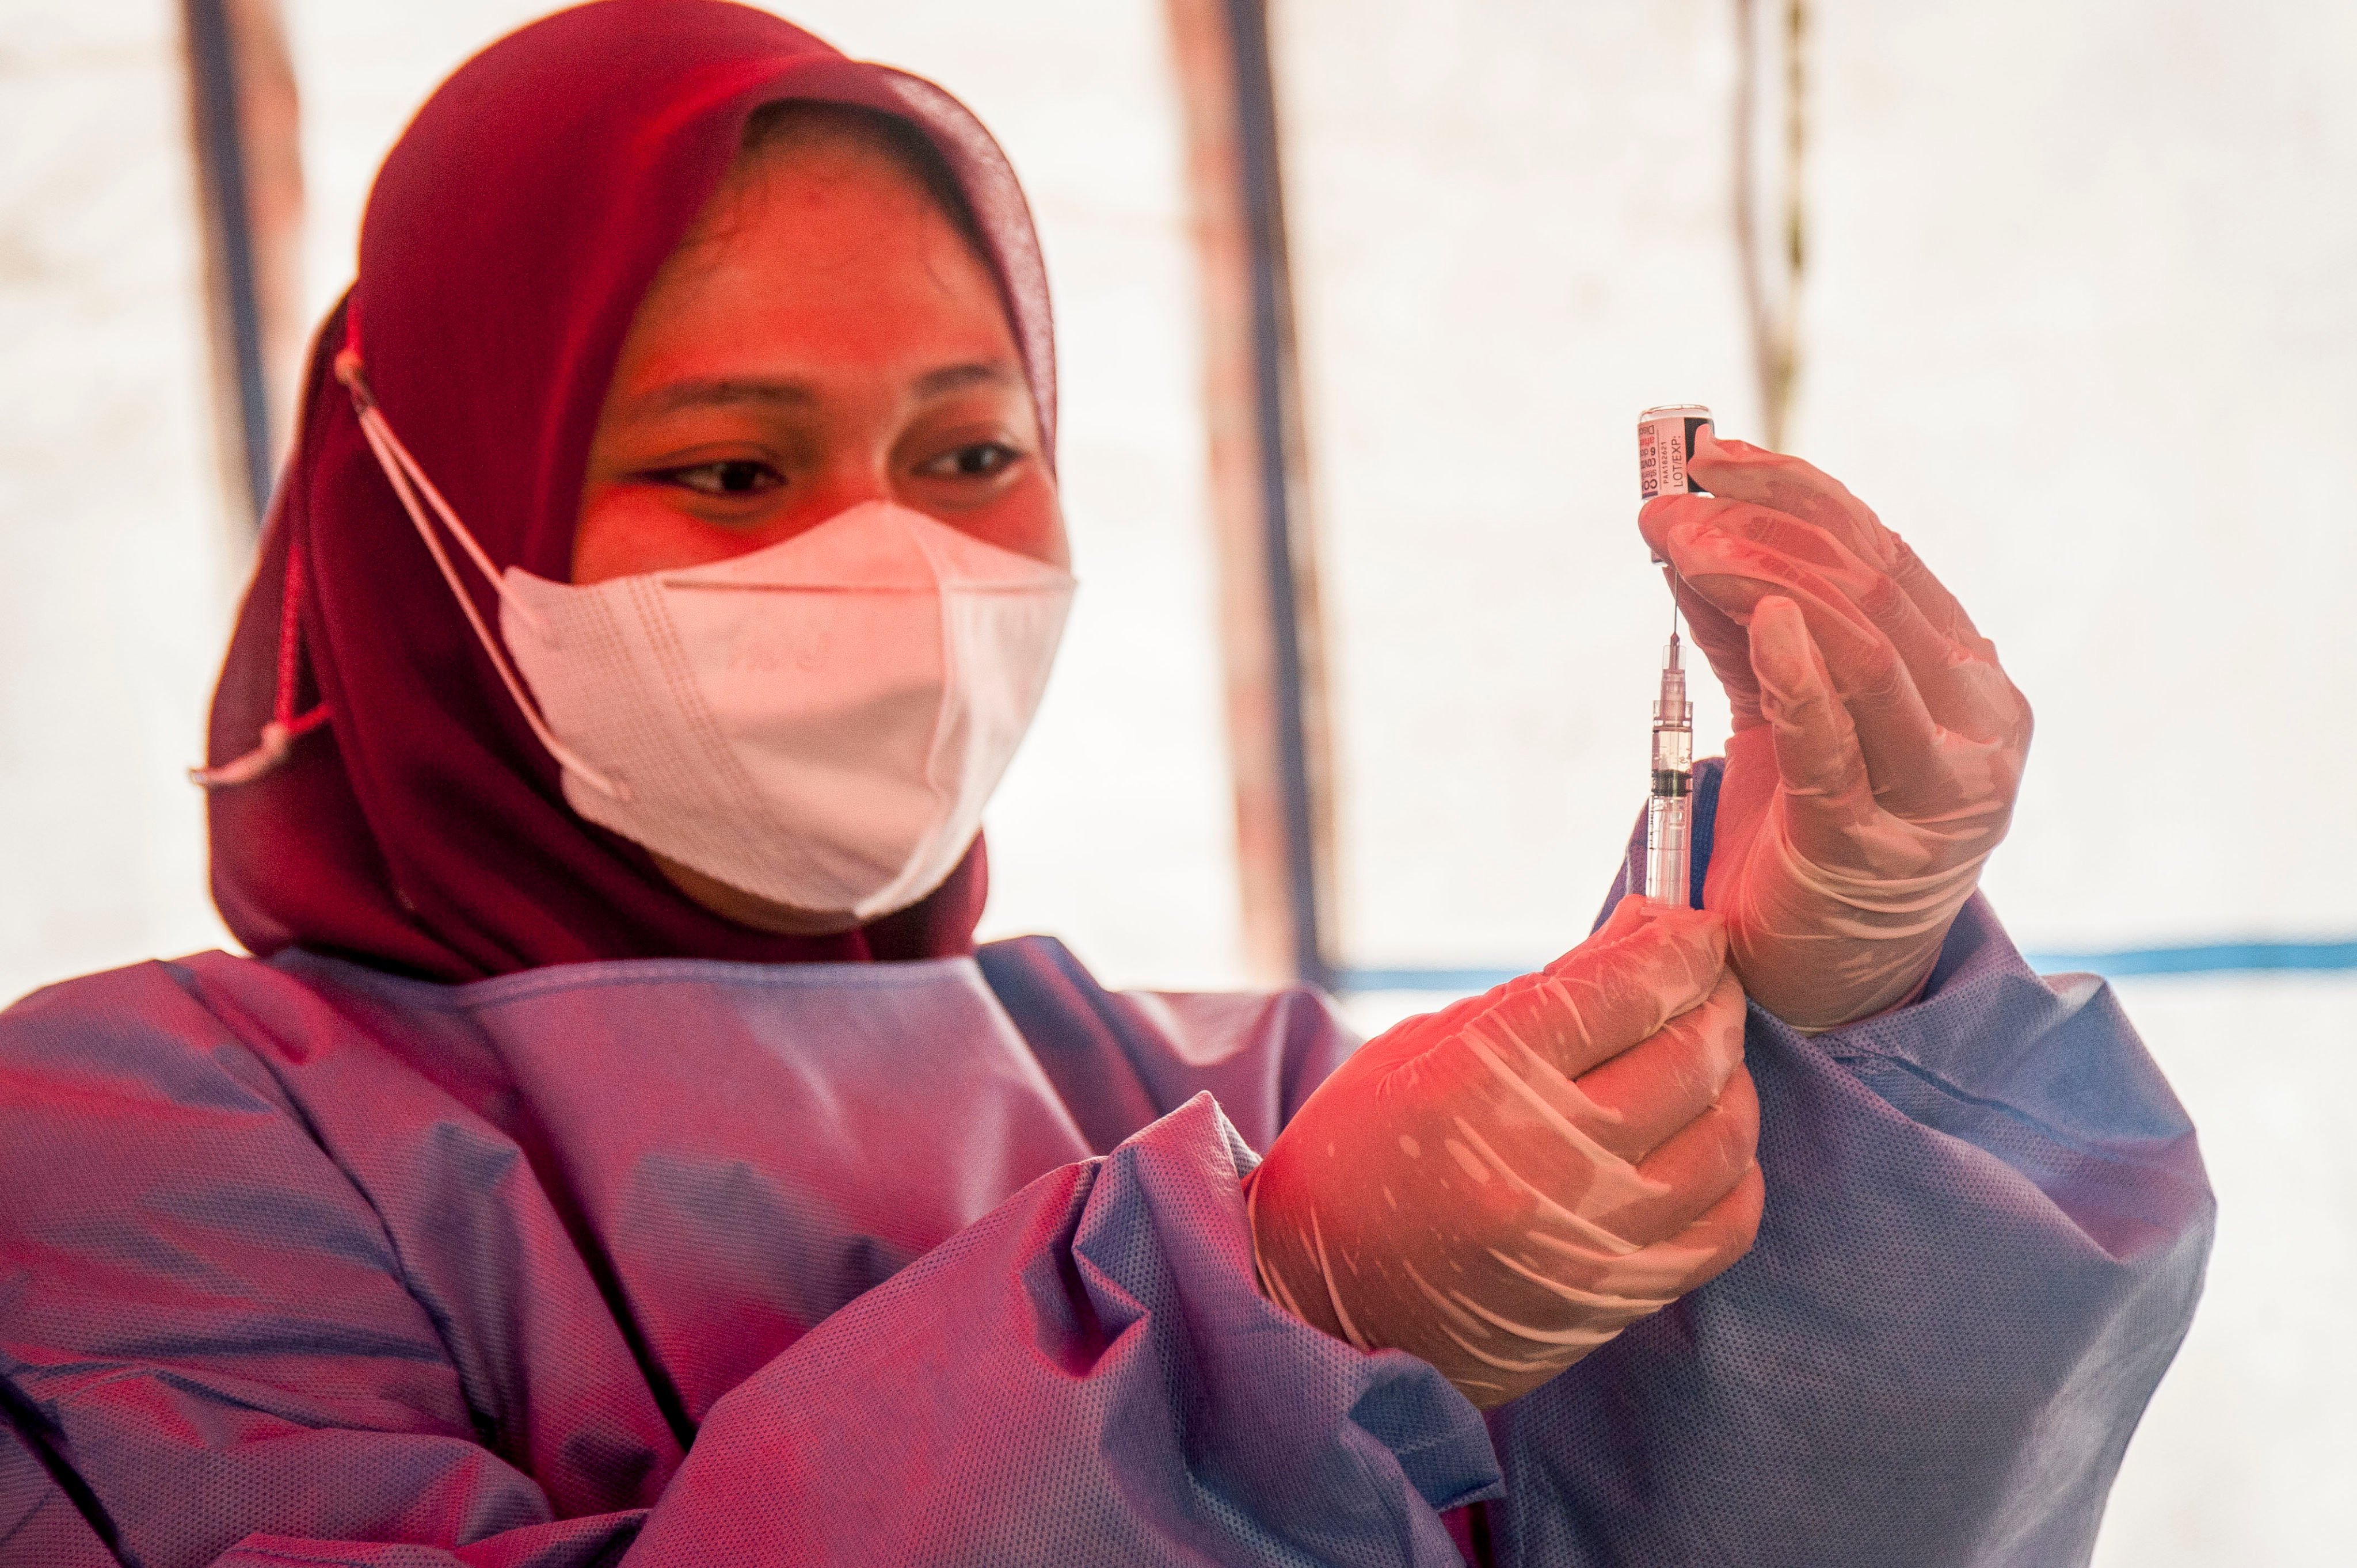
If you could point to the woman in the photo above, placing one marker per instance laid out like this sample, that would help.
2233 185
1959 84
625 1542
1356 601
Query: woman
668 563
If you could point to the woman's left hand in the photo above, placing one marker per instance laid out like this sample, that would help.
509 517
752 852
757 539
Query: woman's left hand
1878 745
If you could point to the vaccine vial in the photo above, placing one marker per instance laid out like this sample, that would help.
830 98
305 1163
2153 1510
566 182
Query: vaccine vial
1666 438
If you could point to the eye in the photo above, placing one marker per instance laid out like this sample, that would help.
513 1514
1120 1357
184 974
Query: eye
734 477
976 460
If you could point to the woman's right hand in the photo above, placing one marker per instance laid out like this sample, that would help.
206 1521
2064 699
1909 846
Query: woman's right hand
1501 1187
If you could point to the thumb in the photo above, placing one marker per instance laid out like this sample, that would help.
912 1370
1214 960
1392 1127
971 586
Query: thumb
1612 991
1741 472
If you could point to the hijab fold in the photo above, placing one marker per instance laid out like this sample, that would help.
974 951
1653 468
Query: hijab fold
507 241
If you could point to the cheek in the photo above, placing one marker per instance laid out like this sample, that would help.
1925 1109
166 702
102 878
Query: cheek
1028 520
625 530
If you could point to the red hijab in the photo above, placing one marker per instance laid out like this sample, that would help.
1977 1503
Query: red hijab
507 241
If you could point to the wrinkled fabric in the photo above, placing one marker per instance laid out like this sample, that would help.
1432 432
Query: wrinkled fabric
1987 1229
316 1256
946 1263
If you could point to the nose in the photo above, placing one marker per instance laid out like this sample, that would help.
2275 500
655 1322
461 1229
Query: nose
832 492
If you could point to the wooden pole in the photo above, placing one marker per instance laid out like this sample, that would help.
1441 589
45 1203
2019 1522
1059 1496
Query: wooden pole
1772 309
245 125
1271 646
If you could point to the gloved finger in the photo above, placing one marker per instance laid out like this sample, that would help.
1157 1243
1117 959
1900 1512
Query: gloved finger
1718 635
1930 595
1961 681
1930 652
1721 639
1745 472
1721 1234
1829 803
1652 1090
1629 913
1897 732
1725 554
1529 1031
1694 1168
1677 1246
1414 1033
1601 997
1417 1032
1401 1046
1818 755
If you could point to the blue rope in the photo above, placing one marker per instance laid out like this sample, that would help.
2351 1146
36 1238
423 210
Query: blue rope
2206 958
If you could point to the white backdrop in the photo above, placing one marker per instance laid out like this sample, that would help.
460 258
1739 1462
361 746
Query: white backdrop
2079 323
119 559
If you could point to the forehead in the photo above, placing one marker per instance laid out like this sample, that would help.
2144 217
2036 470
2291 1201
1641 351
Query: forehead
829 246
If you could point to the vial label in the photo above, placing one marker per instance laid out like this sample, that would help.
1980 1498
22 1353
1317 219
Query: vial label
1661 465
1664 441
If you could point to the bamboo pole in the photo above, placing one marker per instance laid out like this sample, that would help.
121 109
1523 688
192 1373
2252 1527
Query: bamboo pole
244 123
1271 641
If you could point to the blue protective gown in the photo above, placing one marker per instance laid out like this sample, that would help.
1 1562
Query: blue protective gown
945 1263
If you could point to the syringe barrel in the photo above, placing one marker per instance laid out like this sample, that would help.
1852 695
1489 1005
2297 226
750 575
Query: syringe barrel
1665 444
1669 814
1669 850
1672 754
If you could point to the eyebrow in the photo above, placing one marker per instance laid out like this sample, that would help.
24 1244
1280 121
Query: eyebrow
732 391
957 378
725 393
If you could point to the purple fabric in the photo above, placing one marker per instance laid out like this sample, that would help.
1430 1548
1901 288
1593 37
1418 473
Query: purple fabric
1987 1226
310 1264
300 1263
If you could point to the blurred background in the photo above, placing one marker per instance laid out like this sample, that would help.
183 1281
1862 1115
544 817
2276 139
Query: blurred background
1357 302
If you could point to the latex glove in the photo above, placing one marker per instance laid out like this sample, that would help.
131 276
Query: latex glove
1503 1187
1878 745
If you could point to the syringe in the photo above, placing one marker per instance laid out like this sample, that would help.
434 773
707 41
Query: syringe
1666 438
1669 811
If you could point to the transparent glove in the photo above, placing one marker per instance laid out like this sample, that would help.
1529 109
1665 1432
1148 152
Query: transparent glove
1878 745
1503 1187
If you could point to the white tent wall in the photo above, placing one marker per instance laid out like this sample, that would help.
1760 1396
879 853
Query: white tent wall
2077 319
2246 1452
120 555
1509 225
2083 325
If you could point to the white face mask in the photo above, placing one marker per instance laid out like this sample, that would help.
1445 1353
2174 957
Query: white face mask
817 723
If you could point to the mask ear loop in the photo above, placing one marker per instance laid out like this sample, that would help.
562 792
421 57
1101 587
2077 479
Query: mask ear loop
286 726
409 480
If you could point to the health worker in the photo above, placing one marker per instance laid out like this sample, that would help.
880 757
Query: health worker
616 1151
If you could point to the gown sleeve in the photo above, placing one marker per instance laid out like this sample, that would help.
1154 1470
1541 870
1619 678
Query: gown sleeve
1985 1229
212 1350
